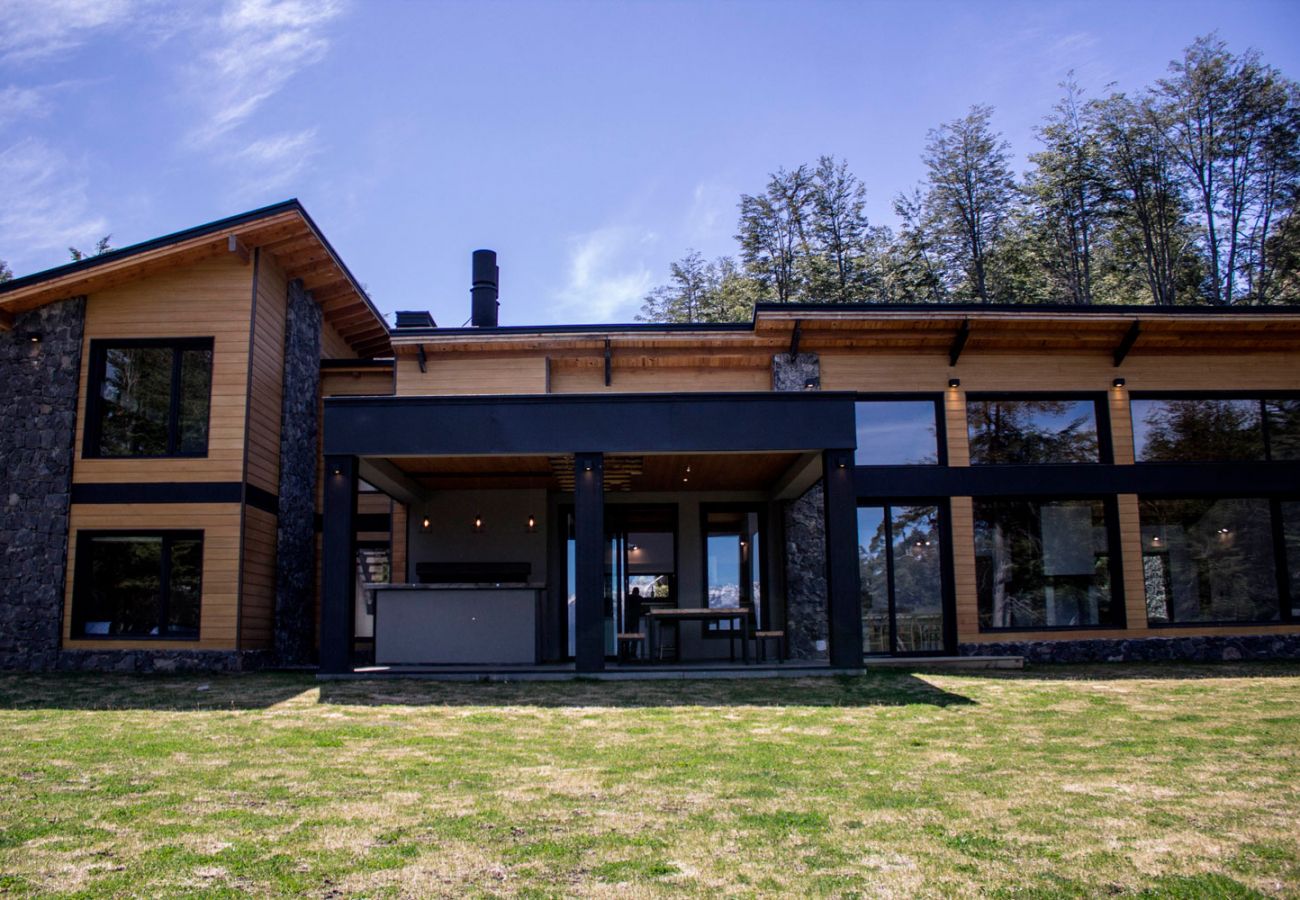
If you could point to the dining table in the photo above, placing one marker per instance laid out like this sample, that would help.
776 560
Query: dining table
738 615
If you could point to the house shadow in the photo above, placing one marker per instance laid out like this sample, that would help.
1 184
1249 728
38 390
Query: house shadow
94 691
1165 670
867 690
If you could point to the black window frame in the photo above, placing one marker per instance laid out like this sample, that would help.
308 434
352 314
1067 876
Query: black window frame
763 611
940 425
1261 396
1101 416
1114 552
1282 572
82 578
91 445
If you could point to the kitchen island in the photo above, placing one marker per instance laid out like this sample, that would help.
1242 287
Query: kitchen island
451 624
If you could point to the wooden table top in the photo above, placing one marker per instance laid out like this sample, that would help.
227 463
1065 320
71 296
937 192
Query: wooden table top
698 613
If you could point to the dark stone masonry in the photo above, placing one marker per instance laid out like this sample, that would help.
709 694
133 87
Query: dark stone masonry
163 662
807 628
295 581
1218 648
40 364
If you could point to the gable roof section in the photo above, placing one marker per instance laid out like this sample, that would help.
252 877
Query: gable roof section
283 230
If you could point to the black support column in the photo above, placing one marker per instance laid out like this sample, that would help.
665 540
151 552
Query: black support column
589 561
843 591
338 564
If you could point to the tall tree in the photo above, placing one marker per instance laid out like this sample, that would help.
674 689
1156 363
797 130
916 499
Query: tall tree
701 291
774 234
1143 198
841 231
5 272
971 192
1066 188
1232 124
915 267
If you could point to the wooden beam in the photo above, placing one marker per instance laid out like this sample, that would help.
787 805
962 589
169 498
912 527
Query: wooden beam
959 342
303 258
316 281
1130 338
313 271
350 318
236 246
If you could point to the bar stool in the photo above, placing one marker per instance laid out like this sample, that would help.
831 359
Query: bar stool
760 641
628 642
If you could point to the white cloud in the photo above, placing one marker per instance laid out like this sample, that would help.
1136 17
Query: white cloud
19 103
46 205
34 29
257 46
607 276
273 162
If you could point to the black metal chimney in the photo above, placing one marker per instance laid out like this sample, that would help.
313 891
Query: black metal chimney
485 289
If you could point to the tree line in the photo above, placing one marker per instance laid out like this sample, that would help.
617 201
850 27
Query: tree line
1185 193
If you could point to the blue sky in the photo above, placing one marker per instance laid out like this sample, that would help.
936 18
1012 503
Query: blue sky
590 143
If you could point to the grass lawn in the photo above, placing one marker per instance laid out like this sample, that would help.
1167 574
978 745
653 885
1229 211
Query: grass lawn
1150 781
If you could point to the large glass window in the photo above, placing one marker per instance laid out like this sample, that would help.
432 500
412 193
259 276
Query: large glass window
1043 564
733 564
901 579
896 433
1291 541
1216 429
1208 560
1021 431
138 585
149 398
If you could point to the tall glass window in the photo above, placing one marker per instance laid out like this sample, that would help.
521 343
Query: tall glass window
149 398
1197 430
1208 560
901 579
1043 564
1291 541
733 564
1032 431
1283 428
896 433
138 585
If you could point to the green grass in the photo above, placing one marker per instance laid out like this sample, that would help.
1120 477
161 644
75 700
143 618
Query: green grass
1155 781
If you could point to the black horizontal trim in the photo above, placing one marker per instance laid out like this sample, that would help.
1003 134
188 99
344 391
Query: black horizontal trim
262 499
357 363
176 492
544 424
1083 479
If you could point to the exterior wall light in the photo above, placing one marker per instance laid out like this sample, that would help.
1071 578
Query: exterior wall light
34 337
425 525
954 382
532 524
478 524
1118 382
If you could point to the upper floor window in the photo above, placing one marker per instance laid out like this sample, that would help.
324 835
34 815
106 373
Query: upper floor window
149 398
896 433
1216 429
1023 431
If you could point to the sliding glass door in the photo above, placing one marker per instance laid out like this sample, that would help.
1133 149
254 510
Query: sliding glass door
900 554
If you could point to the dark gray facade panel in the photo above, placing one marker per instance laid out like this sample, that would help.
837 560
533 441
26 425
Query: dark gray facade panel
40 365
295 576
551 424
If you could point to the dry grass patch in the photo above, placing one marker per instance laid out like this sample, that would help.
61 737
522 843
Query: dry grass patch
1141 781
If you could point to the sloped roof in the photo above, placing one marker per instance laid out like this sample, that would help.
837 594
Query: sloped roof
283 230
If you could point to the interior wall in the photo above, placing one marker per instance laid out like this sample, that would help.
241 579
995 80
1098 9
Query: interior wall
505 536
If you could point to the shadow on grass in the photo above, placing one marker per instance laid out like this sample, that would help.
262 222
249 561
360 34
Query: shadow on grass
254 691
1147 671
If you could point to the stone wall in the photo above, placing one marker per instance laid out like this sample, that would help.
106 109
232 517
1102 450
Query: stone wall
38 415
1217 648
163 662
807 628
295 583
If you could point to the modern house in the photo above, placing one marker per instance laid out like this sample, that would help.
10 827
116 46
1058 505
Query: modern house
215 453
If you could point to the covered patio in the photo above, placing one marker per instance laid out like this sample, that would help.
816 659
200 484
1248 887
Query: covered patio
542 527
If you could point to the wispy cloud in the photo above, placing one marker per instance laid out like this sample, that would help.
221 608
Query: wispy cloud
273 162
257 46
46 206
18 104
32 30
607 275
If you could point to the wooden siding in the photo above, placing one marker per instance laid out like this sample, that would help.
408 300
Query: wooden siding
220 524
464 374
333 345
257 587
675 379
212 299
356 382
266 377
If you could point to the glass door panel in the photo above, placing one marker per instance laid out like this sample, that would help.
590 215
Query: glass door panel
901 579
874 567
733 564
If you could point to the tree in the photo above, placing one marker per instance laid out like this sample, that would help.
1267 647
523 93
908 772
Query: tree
5 272
1067 191
1232 123
701 291
841 231
101 247
773 233
1143 199
971 193
915 268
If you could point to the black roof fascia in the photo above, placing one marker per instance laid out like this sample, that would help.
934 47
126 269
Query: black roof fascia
633 327
1093 310
551 424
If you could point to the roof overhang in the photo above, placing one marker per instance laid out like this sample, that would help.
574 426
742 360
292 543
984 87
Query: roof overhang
283 232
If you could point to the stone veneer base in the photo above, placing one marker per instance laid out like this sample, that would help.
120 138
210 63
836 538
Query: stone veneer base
1188 648
164 661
